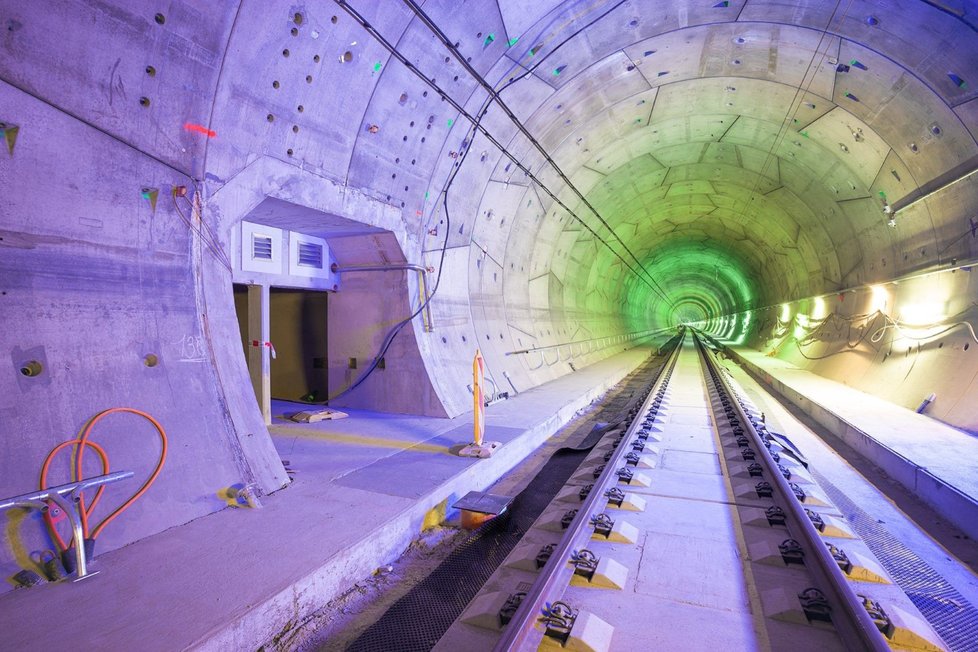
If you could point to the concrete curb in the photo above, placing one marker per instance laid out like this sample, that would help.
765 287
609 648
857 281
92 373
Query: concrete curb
274 623
951 503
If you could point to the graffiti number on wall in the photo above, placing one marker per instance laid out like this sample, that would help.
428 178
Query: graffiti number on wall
192 349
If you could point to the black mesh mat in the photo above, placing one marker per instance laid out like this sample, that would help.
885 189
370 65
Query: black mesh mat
417 620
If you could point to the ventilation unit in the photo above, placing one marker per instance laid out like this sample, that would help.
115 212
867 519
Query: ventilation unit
261 248
308 256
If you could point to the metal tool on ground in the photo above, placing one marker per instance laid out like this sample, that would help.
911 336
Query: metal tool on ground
82 536
477 507
44 498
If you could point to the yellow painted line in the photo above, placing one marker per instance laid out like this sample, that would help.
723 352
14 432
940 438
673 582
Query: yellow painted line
356 440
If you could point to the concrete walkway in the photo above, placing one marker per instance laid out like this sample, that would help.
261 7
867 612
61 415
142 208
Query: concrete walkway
242 578
932 459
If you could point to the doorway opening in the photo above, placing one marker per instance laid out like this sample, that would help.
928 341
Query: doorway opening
297 327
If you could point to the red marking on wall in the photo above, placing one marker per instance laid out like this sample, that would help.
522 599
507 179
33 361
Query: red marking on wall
200 129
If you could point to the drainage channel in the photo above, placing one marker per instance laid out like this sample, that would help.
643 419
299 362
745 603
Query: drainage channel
696 528
421 617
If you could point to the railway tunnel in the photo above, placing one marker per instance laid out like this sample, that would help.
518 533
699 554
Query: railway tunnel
220 218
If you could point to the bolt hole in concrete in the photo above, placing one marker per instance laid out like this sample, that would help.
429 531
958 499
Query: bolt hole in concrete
160 19
31 369
347 57
297 19
151 71
151 360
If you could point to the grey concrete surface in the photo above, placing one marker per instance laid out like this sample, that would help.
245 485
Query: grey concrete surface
718 158
936 462
237 578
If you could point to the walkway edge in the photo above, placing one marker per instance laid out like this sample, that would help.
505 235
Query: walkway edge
272 624
950 502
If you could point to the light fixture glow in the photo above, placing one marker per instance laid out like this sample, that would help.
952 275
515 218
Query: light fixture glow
925 313
819 309
880 298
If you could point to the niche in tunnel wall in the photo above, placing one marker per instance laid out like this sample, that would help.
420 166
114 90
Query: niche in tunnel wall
297 320
328 328
298 329
360 316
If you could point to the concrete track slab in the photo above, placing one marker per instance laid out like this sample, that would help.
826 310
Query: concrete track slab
684 590
683 568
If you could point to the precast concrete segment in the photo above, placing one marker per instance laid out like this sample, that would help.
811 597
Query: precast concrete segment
660 112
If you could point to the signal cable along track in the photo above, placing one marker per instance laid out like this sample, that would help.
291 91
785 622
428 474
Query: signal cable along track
694 527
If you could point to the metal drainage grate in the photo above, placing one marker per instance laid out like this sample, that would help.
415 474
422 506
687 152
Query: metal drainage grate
948 612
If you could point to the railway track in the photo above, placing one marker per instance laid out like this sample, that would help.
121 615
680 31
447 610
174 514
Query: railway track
692 527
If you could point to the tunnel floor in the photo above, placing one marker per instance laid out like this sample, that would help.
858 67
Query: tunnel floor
364 487
358 480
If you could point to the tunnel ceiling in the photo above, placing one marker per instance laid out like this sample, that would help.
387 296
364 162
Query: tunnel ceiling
691 158
706 157
765 135
736 159
715 131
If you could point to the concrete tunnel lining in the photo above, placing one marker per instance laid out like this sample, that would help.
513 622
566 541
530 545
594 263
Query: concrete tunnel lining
783 221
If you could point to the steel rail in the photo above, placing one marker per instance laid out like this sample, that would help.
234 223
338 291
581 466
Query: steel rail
857 629
521 633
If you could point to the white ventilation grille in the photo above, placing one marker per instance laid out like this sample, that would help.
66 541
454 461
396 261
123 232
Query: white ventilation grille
310 255
261 246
